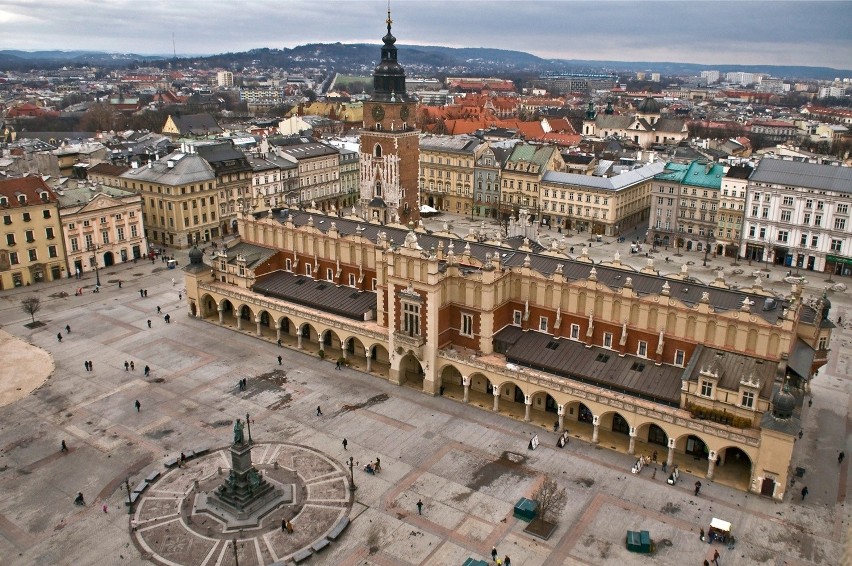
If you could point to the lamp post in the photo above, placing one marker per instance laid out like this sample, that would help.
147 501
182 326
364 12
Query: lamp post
129 500
710 239
352 486
248 426
94 250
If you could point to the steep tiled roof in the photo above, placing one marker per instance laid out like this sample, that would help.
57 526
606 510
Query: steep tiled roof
30 187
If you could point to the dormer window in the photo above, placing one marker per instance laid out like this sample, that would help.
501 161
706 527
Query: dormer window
4 201
22 199
44 196
706 388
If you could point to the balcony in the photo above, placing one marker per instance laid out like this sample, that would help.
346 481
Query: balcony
403 339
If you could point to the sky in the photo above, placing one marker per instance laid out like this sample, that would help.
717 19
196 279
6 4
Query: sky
712 32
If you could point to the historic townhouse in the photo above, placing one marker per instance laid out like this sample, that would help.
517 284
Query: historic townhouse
521 177
645 127
600 205
350 181
635 360
486 178
32 249
180 199
797 214
318 169
732 199
685 199
275 181
102 226
233 179
447 171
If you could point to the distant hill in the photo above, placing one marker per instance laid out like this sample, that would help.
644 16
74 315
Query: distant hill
418 59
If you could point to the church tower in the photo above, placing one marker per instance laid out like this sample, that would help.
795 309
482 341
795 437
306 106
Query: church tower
390 146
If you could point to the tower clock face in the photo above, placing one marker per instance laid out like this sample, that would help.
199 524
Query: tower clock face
403 112
378 113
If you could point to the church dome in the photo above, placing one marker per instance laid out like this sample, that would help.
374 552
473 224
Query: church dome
783 403
389 76
196 256
649 106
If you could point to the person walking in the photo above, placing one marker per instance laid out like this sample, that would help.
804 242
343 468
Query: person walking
654 456
507 561
132 366
701 535
716 557
63 447
839 456
147 371
79 499
319 411
86 365
378 465
283 525
91 366
344 443
138 405
494 553
279 360
149 323
141 293
279 342
68 329
119 283
419 506
59 337
804 492
167 318
158 310
697 487
337 365
654 474
126 365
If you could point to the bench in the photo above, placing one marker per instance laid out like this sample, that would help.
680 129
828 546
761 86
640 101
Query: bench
143 485
302 555
320 544
338 528
133 497
152 476
171 462
201 451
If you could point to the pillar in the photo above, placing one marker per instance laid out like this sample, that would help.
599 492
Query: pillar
631 449
560 410
596 423
670 457
496 393
221 314
299 338
711 464
278 333
527 407
369 355
239 322
466 385
257 323
343 349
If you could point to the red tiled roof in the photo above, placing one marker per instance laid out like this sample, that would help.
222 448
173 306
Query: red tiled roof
29 186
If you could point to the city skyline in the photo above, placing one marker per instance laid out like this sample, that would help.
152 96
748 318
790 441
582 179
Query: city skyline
811 33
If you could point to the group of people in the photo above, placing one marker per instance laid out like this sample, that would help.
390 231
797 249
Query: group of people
373 467
496 558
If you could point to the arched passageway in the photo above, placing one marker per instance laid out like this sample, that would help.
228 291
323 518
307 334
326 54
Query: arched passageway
411 372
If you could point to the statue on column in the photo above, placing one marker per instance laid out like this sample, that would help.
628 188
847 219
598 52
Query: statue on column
238 432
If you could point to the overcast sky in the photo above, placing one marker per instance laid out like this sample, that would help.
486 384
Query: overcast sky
710 32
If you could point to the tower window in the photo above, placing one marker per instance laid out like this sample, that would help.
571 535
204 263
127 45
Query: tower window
377 151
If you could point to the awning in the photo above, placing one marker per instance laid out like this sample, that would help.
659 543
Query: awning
801 359
426 209
720 524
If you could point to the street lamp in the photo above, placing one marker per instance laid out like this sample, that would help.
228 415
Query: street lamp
248 425
129 499
710 239
352 486
94 250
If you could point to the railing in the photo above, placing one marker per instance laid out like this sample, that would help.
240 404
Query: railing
410 341
600 395
288 308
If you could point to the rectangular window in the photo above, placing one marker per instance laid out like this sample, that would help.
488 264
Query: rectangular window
842 208
783 235
13 259
46 213
51 251
642 350
787 201
575 332
8 220
411 319
542 323
814 241
747 400
351 279
839 223
74 245
680 357
375 284
607 340
823 343
27 217
309 271
105 236
30 235
329 275
786 215
467 325
10 239
516 317
288 265
33 255
707 388
836 245
120 231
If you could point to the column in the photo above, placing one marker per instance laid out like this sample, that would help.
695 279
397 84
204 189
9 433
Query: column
343 350
596 423
711 464
496 393
257 323
527 407
631 449
560 410
466 385
221 314
368 352
299 338
277 333
239 322
670 457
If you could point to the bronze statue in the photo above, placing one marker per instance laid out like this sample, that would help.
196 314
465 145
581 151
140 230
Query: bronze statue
238 432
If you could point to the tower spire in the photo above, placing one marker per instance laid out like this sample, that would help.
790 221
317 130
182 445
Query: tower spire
389 21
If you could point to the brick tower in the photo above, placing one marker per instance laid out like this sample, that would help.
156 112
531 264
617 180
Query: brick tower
390 148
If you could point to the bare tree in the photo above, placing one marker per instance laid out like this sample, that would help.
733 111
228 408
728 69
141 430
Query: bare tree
551 500
31 305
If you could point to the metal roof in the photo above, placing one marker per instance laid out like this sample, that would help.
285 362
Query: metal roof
804 175
618 182
187 168
732 368
632 375
321 295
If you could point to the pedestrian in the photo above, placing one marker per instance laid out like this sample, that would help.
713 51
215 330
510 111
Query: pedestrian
119 283
86 365
498 562
804 492
697 487
138 405
344 443
810 402
289 527
279 342
731 542
173 281
840 457
104 507
141 293
283 525
126 365
706 563
279 360
59 337
507 561
716 557
149 323
167 318
665 467
654 456
800 434
337 365
147 371
68 329
839 320
319 411
419 506
701 535
146 293
91 368
494 553
79 499
158 309
654 474
378 465
182 459
240 385
180 296
132 366
64 447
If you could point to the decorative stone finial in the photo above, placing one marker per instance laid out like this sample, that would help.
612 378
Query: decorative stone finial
666 289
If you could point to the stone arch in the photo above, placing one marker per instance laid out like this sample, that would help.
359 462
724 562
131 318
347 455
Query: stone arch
308 335
227 312
692 445
329 340
245 313
449 375
615 422
734 466
751 341
653 434
265 318
580 412
207 306
544 402
731 336
411 371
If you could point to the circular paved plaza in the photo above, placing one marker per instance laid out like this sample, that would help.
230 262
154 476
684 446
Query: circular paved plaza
167 529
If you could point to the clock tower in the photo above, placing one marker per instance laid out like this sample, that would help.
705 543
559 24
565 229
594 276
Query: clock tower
390 144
